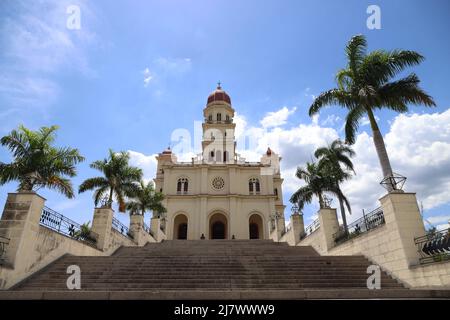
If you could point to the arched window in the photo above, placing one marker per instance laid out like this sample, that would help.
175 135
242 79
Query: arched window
218 156
210 117
253 186
275 191
225 156
182 186
227 118
219 117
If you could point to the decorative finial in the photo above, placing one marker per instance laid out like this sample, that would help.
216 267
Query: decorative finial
218 85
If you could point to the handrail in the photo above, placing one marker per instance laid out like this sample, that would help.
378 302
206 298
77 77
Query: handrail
434 247
63 225
367 222
147 229
121 228
312 227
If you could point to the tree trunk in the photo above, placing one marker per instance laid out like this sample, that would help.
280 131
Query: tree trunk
110 197
381 149
321 203
344 218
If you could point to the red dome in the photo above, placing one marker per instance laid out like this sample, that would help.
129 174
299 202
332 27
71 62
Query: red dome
219 95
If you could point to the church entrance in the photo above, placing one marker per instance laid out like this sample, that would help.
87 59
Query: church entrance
218 226
218 230
180 227
255 227
182 231
254 231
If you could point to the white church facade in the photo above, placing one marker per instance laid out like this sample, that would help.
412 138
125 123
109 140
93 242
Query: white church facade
220 195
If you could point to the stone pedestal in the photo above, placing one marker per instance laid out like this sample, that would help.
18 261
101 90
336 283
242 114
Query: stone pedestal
329 225
155 225
20 223
280 227
298 227
405 223
137 229
101 225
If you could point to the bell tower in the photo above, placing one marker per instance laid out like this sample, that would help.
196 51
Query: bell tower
218 143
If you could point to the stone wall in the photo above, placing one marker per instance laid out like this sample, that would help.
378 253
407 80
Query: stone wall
391 245
33 246
48 247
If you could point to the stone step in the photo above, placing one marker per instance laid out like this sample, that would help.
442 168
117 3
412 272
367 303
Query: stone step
209 265
330 293
201 286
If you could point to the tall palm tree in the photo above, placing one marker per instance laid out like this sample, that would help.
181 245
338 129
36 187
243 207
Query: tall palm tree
37 163
366 84
120 180
146 198
330 160
317 184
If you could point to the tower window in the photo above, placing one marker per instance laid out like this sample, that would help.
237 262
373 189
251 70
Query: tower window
219 117
210 117
254 186
218 156
182 186
227 118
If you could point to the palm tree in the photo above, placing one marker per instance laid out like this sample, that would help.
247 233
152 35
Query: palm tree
317 184
330 160
37 163
366 85
119 180
146 199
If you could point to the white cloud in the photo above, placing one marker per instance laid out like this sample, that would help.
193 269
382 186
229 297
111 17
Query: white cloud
148 76
277 118
331 120
146 163
418 145
36 45
29 91
438 219
365 121
164 69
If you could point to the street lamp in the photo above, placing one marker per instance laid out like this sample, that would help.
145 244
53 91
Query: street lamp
294 209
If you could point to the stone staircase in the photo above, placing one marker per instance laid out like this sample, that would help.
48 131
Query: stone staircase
211 269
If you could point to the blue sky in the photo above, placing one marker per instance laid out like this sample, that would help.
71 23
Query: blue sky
272 57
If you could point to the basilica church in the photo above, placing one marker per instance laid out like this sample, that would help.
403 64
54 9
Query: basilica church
218 194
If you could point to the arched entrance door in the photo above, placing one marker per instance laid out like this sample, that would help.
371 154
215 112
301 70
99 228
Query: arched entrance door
255 226
180 227
182 231
218 226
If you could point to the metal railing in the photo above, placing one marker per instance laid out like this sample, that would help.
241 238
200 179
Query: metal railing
311 228
3 243
434 247
121 228
63 225
147 229
367 222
